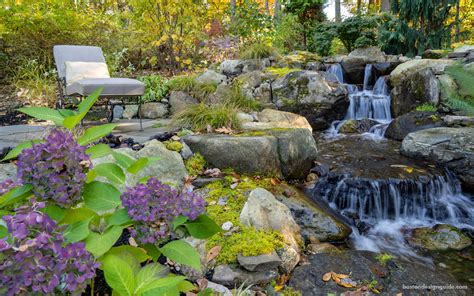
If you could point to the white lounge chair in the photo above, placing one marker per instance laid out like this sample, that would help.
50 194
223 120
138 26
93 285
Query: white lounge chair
82 70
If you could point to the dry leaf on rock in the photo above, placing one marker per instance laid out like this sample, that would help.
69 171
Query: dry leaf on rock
213 253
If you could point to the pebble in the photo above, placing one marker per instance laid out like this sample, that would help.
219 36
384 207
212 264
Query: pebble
227 226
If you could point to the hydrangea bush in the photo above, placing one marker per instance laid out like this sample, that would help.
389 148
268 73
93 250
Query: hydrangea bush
62 223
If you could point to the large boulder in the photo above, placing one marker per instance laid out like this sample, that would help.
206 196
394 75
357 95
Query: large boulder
168 169
414 121
285 153
452 147
354 64
363 266
403 71
153 110
270 119
211 77
310 94
440 237
357 126
263 211
179 100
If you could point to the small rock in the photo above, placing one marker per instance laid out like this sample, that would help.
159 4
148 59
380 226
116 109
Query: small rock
245 117
311 177
153 110
232 277
7 171
321 248
219 289
202 182
260 262
211 77
439 238
118 111
179 101
289 259
130 111
227 226
185 152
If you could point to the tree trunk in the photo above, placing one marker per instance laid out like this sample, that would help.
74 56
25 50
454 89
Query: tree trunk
277 10
338 10
359 6
267 7
385 6
458 25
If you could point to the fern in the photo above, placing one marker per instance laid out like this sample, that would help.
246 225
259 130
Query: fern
461 105
463 78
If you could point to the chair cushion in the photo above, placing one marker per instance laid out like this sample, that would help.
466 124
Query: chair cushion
76 71
112 87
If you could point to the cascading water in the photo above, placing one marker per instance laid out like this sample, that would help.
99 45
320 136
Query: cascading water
372 102
391 207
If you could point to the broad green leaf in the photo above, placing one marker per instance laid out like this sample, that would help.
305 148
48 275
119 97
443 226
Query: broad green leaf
185 286
44 113
75 215
140 164
160 286
178 221
16 195
99 243
56 213
71 121
98 150
119 275
77 231
203 227
148 274
144 180
153 251
3 231
111 171
88 102
124 160
119 217
18 149
139 253
182 252
66 112
101 197
95 133
91 175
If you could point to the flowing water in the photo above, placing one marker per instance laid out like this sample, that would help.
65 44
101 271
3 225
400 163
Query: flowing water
370 102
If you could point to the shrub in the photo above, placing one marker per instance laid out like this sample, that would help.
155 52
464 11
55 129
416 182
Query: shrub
289 34
236 98
257 50
156 88
200 117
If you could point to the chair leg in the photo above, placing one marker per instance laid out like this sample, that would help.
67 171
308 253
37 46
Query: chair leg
140 116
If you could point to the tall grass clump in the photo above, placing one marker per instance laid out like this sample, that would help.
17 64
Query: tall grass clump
188 84
257 50
200 117
236 98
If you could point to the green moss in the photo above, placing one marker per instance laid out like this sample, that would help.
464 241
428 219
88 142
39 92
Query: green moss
280 72
195 164
290 291
248 240
184 132
174 146
383 258
427 107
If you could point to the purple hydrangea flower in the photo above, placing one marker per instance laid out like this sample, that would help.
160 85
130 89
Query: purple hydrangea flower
8 185
56 168
36 260
154 205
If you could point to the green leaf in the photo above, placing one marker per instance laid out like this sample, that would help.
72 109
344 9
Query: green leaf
16 195
124 160
88 102
66 112
119 275
111 171
159 286
98 150
56 213
77 231
98 244
140 164
71 121
44 113
182 252
138 253
178 221
18 149
153 251
91 175
74 215
95 133
148 274
185 286
203 227
119 217
101 197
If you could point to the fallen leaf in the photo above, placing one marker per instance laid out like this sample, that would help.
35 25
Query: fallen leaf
274 181
224 130
132 242
409 170
278 288
327 276
202 283
213 252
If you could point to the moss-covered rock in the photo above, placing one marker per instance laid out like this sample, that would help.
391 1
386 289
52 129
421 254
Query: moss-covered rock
174 145
441 237
354 126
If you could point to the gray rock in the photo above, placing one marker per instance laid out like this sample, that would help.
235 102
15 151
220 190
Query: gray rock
118 111
288 153
201 182
231 67
316 220
130 111
452 147
414 121
211 77
357 126
7 171
404 70
233 277
244 117
179 100
354 64
289 259
262 262
363 265
440 237
458 121
153 110
263 211
281 119
190 272
311 95
186 152
263 93
219 289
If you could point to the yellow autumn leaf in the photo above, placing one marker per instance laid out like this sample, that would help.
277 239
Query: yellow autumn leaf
278 288
327 276
409 170
187 61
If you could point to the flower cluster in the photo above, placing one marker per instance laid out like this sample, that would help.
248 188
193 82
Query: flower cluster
154 205
8 185
35 260
56 168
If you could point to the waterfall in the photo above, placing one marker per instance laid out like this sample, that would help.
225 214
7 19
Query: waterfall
336 70
372 102
393 206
